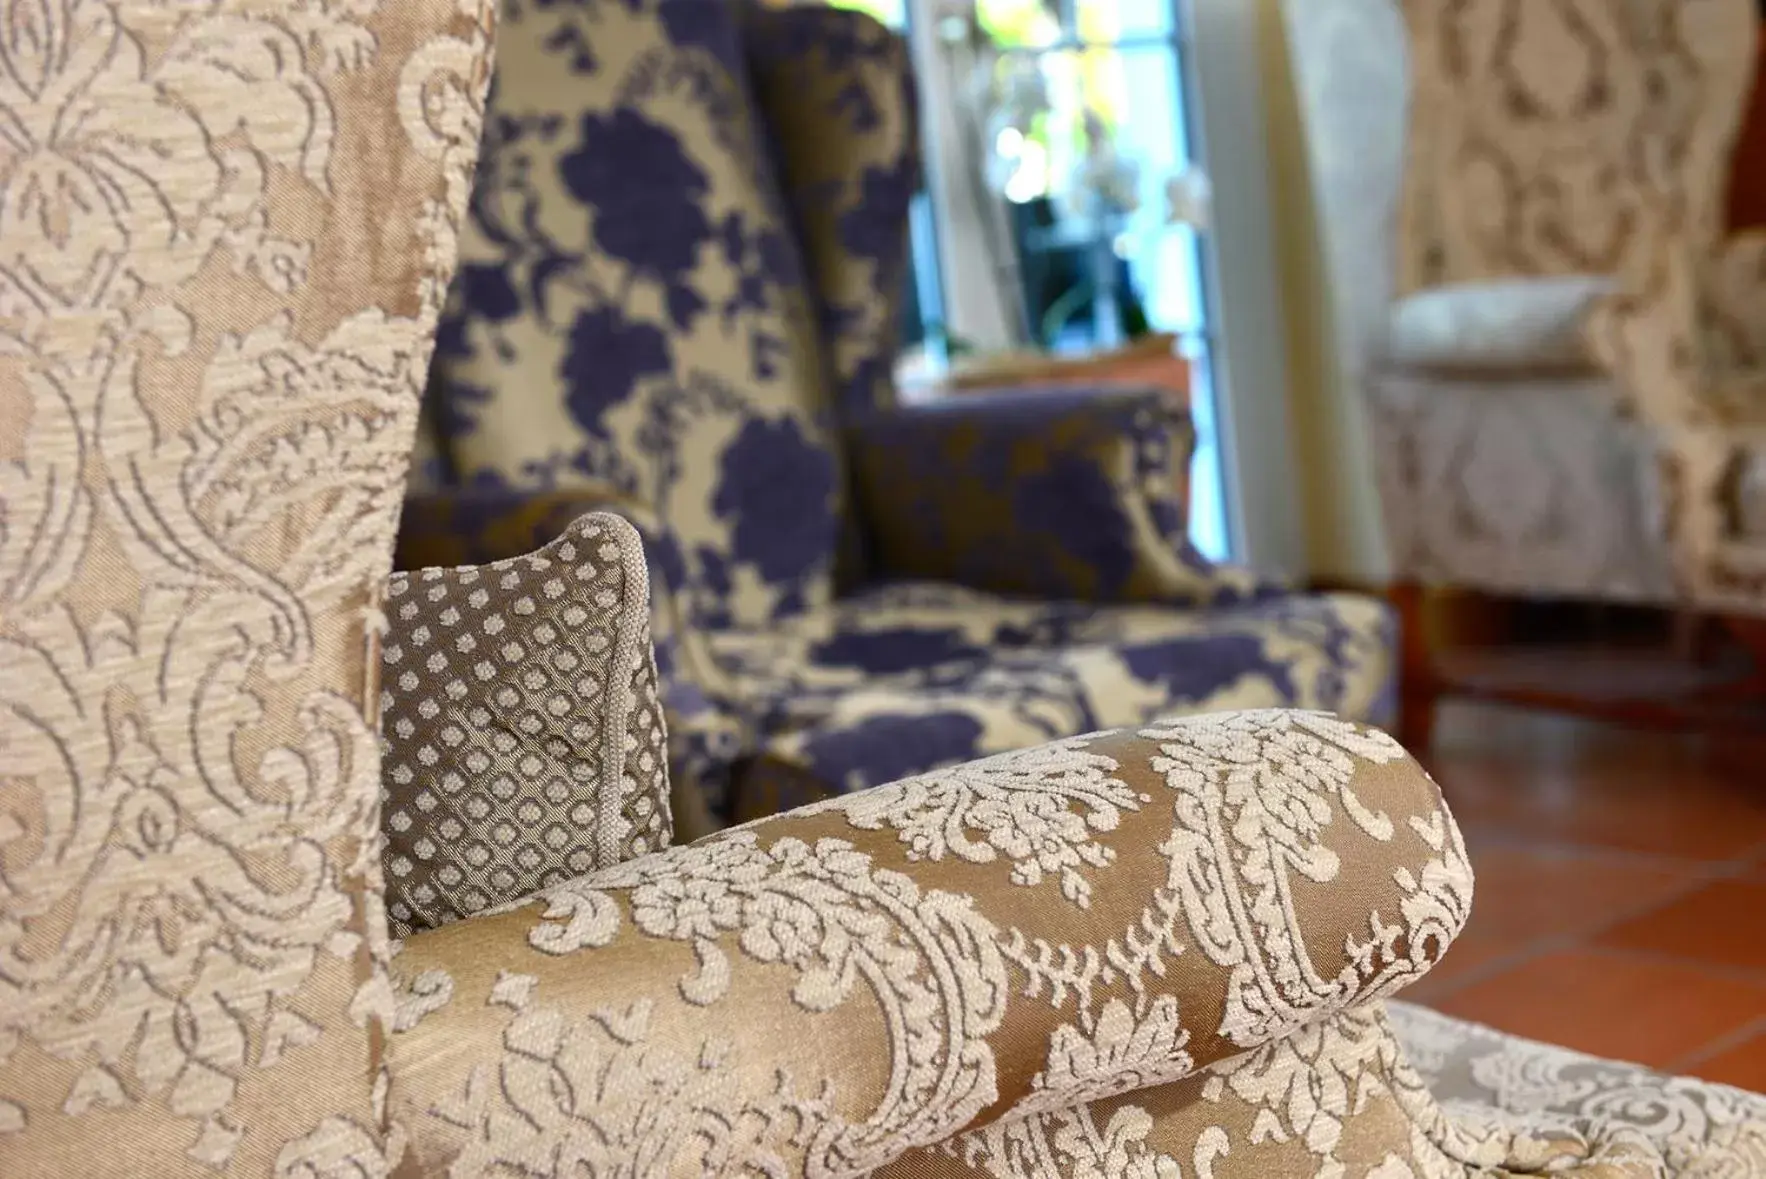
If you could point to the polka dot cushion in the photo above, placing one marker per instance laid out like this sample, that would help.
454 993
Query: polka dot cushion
523 737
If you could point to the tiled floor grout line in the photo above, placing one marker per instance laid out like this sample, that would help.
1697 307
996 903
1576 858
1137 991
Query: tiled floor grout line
1702 875
1734 1038
1749 975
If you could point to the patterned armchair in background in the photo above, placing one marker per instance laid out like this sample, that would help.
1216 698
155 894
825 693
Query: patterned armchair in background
677 300
1555 156
224 246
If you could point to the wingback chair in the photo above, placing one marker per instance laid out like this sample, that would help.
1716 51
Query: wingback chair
1491 177
677 298
225 234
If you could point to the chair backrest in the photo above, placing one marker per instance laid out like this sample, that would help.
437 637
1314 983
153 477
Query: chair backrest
1541 131
225 234
632 313
835 90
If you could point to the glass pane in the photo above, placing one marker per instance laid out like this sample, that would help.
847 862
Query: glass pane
1016 24
893 13
1208 523
1105 21
1087 175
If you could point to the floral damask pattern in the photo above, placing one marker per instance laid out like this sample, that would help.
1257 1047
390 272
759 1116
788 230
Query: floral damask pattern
225 233
943 986
836 91
606 346
1542 135
1568 144
631 315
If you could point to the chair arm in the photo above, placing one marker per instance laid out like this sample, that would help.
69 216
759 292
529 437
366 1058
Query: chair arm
1067 493
1676 340
818 992
1735 308
706 731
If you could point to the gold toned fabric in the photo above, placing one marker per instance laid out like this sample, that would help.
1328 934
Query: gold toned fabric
225 232
1008 937
1382 1092
523 738
1685 341
1534 1107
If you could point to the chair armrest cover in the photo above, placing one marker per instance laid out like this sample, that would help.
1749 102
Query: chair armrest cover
1070 493
1735 308
1687 364
818 992
479 525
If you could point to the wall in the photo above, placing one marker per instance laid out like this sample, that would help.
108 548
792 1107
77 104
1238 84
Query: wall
1334 464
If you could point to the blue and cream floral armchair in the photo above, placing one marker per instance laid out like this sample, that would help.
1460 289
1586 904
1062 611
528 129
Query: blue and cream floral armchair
677 300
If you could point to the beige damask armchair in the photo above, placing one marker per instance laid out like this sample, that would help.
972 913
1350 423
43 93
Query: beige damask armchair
236 757
1495 180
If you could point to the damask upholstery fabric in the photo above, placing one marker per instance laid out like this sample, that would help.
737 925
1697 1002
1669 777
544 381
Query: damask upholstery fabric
1527 485
1384 1091
1061 496
1542 135
1545 1108
1545 143
523 737
908 678
1001 940
1525 326
631 314
225 233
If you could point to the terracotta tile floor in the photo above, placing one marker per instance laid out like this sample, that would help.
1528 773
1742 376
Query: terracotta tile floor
1621 899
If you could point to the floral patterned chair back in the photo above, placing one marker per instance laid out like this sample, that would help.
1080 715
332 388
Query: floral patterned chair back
1539 132
630 245
226 230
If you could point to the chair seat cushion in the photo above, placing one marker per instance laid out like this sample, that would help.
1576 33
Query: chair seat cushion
911 677
1520 325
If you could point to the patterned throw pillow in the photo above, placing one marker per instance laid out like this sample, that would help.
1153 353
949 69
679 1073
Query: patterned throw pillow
523 736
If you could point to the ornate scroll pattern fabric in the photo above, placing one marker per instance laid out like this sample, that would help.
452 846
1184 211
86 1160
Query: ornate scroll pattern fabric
523 739
1378 1092
631 314
226 229
1008 937
1525 485
1692 370
1537 1106
1542 134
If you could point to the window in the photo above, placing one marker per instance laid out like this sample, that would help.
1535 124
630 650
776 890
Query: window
1087 81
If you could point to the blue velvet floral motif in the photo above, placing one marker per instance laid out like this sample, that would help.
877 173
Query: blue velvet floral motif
631 312
836 91
631 321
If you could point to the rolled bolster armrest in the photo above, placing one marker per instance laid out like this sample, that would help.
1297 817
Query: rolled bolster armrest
819 992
